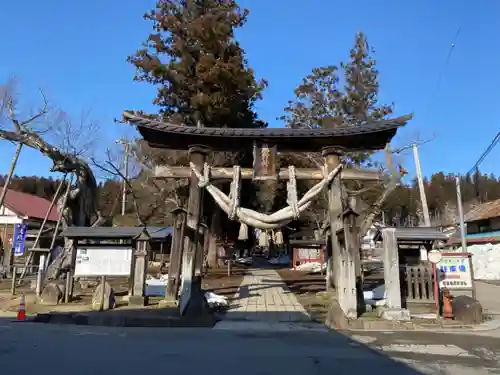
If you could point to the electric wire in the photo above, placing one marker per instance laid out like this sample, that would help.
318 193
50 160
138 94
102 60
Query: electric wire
443 70
486 152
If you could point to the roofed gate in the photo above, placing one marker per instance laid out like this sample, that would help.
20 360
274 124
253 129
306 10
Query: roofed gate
265 143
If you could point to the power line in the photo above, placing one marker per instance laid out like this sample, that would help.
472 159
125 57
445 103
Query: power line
443 69
486 152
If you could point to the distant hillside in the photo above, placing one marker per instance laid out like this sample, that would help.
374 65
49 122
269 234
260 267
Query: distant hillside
401 209
404 208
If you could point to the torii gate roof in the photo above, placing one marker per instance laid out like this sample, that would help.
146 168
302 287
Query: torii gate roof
369 136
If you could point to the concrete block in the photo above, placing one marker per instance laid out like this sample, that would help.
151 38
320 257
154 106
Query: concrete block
394 314
138 301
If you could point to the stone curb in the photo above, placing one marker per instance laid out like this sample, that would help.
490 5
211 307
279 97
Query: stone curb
123 321
336 320
491 325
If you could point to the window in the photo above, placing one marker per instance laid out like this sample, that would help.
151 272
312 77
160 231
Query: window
484 226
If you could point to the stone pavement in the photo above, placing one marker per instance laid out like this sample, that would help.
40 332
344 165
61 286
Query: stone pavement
262 295
263 302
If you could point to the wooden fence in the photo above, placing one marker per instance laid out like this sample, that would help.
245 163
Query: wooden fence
419 281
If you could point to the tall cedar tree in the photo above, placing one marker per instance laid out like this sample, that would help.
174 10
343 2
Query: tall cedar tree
200 69
321 102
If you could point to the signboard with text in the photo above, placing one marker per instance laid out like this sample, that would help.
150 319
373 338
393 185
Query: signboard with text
455 271
103 261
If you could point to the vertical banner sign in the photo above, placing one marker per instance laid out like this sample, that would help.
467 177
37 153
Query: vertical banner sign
19 239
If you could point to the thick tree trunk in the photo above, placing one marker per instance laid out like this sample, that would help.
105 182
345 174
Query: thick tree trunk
81 205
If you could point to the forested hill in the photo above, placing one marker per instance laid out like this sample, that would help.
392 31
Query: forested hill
109 191
401 209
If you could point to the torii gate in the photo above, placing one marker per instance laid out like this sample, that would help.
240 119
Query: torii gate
264 143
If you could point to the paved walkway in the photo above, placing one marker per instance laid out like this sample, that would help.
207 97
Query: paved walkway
263 302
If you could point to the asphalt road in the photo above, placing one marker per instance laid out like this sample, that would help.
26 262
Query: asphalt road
48 349
438 353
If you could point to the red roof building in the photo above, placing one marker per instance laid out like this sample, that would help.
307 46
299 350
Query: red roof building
28 206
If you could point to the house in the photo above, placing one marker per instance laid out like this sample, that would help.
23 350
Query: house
483 218
23 208
482 224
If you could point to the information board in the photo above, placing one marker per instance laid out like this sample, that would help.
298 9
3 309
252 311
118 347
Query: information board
103 261
455 271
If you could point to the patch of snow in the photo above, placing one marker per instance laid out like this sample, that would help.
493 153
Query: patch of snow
424 316
376 293
375 297
216 300
375 303
244 260
312 267
485 261
282 260
155 287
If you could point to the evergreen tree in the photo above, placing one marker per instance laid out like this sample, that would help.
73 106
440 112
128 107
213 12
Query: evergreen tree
360 101
333 96
321 103
200 69
202 75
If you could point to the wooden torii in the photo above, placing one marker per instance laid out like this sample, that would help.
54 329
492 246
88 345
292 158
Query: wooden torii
187 250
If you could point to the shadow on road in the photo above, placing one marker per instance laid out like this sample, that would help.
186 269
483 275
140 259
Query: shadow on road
254 349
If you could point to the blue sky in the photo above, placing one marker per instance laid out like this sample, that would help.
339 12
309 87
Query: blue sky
76 51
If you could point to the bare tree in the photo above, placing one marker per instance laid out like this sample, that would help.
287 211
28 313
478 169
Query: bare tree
34 131
151 200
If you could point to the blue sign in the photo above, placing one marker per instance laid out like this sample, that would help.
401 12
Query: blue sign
20 231
453 269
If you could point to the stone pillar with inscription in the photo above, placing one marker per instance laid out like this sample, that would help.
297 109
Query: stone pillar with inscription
348 285
393 310
140 259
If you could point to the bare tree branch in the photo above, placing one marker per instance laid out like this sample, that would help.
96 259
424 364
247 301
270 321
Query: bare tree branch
148 196
409 146
395 179
42 112
113 170
81 206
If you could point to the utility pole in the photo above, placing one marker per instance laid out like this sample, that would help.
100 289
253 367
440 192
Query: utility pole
461 215
3 241
423 198
126 146
11 173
